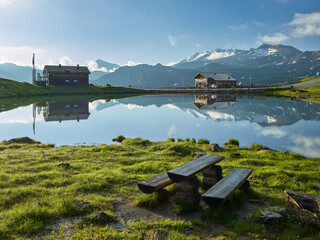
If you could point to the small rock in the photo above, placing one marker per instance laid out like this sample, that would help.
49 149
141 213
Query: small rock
258 147
156 234
198 154
214 147
269 217
64 165
100 218
80 205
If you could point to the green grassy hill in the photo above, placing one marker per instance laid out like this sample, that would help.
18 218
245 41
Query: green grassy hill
10 88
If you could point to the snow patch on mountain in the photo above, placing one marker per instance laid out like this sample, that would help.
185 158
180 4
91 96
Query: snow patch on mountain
217 54
196 56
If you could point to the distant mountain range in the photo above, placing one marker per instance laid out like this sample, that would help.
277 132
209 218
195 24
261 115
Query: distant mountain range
24 73
266 64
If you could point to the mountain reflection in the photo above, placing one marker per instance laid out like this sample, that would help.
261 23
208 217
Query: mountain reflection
220 107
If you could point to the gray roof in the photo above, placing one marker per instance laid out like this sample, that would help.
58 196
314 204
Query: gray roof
66 69
217 76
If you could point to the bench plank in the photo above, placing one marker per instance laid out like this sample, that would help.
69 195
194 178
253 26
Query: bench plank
190 168
155 183
218 193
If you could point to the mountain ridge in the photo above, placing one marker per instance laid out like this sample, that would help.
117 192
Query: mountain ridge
266 64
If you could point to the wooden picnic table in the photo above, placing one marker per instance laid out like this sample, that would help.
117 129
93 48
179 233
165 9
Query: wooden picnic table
188 169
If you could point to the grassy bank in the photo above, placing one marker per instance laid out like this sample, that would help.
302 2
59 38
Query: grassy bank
10 88
295 93
35 192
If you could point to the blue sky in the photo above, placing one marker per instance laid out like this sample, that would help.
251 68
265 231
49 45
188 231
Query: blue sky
149 31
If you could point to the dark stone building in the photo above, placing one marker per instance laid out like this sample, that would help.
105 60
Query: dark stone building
57 75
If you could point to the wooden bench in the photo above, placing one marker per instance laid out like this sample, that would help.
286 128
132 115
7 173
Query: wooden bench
191 168
155 183
178 174
221 191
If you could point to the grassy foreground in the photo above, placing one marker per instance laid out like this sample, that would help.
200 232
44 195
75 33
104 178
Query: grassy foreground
35 191
10 88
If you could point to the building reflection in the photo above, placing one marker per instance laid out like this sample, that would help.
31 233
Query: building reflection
214 101
64 111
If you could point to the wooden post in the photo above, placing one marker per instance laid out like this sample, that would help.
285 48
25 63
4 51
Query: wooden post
212 175
188 191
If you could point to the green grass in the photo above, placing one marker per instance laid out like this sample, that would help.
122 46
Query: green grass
34 191
301 93
10 88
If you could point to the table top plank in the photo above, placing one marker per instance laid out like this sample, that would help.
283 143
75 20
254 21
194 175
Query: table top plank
188 169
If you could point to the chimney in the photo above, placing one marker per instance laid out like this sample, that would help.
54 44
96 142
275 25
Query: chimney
78 66
59 65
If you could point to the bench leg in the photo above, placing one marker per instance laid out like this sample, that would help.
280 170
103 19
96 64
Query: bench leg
212 175
188 192
245 187
162 195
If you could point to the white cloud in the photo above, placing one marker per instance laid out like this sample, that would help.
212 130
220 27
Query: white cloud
131 106
172 40
235 27
258 24
132 63
198 45
14 2
305 24
306 145
21 55
93 66
172 130
65 60
274 132
6 2
19 115
95 104
273 38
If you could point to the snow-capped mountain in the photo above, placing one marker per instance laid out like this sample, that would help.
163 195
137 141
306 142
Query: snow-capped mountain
267 63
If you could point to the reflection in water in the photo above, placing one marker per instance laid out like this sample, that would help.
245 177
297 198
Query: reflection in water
214 101
63 111
277 123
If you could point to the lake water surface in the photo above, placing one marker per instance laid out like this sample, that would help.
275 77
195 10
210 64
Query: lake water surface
286 125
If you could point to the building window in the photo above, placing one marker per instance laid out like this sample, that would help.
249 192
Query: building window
67 81
75 81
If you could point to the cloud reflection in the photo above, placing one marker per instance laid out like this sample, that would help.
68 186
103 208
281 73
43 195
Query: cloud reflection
305 145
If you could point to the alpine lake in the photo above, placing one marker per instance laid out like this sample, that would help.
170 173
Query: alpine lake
281 124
